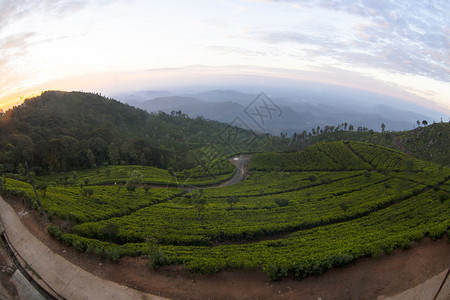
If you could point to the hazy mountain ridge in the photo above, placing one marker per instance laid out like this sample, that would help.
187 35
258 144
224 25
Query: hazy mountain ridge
226 105
60 131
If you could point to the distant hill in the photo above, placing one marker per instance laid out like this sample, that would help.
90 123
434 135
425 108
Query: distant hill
220 111
296 116
60 131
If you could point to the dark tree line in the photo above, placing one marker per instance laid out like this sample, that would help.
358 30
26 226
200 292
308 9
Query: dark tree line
61 131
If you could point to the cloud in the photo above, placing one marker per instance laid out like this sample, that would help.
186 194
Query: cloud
20 9
409 37
19 33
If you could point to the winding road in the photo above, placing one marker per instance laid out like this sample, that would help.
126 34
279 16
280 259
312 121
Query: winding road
68 281
241 162
60 277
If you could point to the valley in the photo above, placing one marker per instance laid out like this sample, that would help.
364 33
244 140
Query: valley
279 210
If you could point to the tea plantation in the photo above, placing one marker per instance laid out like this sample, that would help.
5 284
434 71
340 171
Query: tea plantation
296 213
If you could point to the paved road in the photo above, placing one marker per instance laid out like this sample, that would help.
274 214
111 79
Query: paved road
427 289
241 162
67 279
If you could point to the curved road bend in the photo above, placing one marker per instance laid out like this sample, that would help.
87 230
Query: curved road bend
241 162
65 278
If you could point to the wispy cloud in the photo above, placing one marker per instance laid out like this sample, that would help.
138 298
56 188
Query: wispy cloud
395 42
20 9
17 36
409 37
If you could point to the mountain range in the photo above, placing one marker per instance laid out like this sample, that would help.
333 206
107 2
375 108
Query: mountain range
291 116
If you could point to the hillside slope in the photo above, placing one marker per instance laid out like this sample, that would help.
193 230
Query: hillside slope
60 131
431 143
296 214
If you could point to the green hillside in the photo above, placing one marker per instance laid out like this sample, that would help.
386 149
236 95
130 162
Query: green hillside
61 131
325 156
429 143
297 213
122 182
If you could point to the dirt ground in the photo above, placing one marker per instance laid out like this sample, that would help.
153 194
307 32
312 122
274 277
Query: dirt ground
369 278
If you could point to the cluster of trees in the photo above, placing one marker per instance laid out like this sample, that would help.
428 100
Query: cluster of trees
306 135
60 131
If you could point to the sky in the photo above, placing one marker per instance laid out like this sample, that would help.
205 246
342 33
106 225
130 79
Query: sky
399 48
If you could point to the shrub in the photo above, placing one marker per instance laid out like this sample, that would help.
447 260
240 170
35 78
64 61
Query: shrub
114 254
274 272
109 231
281 202
157 259
320 267
442 196
87 192
325 180
341 260
312 178
54 231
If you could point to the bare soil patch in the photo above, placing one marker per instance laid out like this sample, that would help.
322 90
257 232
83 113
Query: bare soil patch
368 278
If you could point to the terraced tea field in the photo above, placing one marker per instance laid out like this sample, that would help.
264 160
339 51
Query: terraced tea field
297 213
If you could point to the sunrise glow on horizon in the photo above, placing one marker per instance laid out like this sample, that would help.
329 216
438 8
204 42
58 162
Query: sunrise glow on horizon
397 48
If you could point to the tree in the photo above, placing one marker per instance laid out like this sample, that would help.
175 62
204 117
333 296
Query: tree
367 174
424 122
136 177
198 201
281 202
308 194
31 178
418 123
75 177
42 187
91 158
383 126
113 154
135 180
2 183
131 188
344 206
312 178
87 192
350 127
409 165
232 200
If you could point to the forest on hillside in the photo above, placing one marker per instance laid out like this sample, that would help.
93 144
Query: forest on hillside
60 131
65 131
